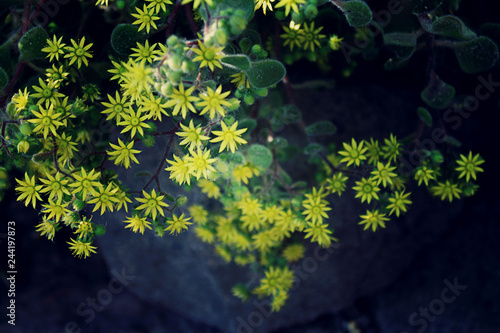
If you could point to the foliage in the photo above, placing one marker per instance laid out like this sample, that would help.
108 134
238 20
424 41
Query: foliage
205 86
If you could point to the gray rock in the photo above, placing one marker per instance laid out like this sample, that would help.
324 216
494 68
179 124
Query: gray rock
186 276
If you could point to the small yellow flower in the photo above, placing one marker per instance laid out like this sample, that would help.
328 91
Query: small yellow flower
180 170
208 56
214 101
47 227
146 18
137 223
353 153
46 120
134 122
56 209
201 163
29 191
182 100
265 4
81 248
152 204
366 189
144 52
20 100
373 219
469 166
290 4
78 53
122 153
104 198
116 107
159 5
311 37
57 186
54 48
230 137
192 136
177 224
335 42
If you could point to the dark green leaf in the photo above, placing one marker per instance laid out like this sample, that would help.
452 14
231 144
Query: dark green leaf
247 123
260 156
323 127
239 61
32 43
425 116
477 55
313 148
265 73
438 94
124 37
395 64
248 6
245 45
452 141
4 78
285 115
452 26
357 13
403 44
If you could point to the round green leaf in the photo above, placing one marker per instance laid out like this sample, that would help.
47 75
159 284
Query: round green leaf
265 73
356 12
438 94
247 123
247 6
425 116
124 37
239 61
324 127
403 44
313 148
4 78
477 55
260 156
452 26
32 43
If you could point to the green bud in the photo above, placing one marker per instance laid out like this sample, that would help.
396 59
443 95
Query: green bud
262 92
238 94
149 141
310 12
280 15
229 120
99 230
34 108
175 77
120 4
238 24
249 99
25 129
298 18
437 157
23 146
174 62
172 41
256 49
188 67
78 205
235 104
72 219
159 230
152 127
223 168
221 36
181 200
11 110
166 89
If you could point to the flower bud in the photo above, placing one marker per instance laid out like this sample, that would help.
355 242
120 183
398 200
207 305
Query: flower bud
23 146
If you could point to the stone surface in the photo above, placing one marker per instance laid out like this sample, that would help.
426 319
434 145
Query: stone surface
186 276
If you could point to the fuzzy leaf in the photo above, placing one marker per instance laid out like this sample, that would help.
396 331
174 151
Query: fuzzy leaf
285 115
4 78
403 44
247 123
324 127
477 55
452 141
438 94
259 156
425 116
265 73
452 26
313 148
239 61
248 6
357 13
32 43
124 37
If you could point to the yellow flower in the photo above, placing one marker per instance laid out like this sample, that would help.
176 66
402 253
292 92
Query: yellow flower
384 174
57 186
197 3
144 52
181 100
209 56
79 52
446 190
47 227
21 99
155 106
230 137
424 174
104 198
137 79
319 233
335 42
353 153
336 184
145 18
214 101
152 204
177 224
209 188
137 223
46 121
311 37
192 136
28 189
134 122
56 209
468 166
265 4
242 173
81 248
47 92
86 183
373 219
366 189
290 4
276 280
315 210
292 35
294 252
180 170
201 163
122 153
116 107
398 203
54 48
159 5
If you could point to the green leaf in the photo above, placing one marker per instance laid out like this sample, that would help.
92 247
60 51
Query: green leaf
313 148
32 43
245 45
425 116
285 115
265 73
438 94
401 43
454 4
452 26
477 55
357 13
247 123
4 78
452 141
248 6
239 61
395 64
124 37
259 156
323 127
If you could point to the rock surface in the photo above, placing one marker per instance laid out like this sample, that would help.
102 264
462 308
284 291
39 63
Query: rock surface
185 275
